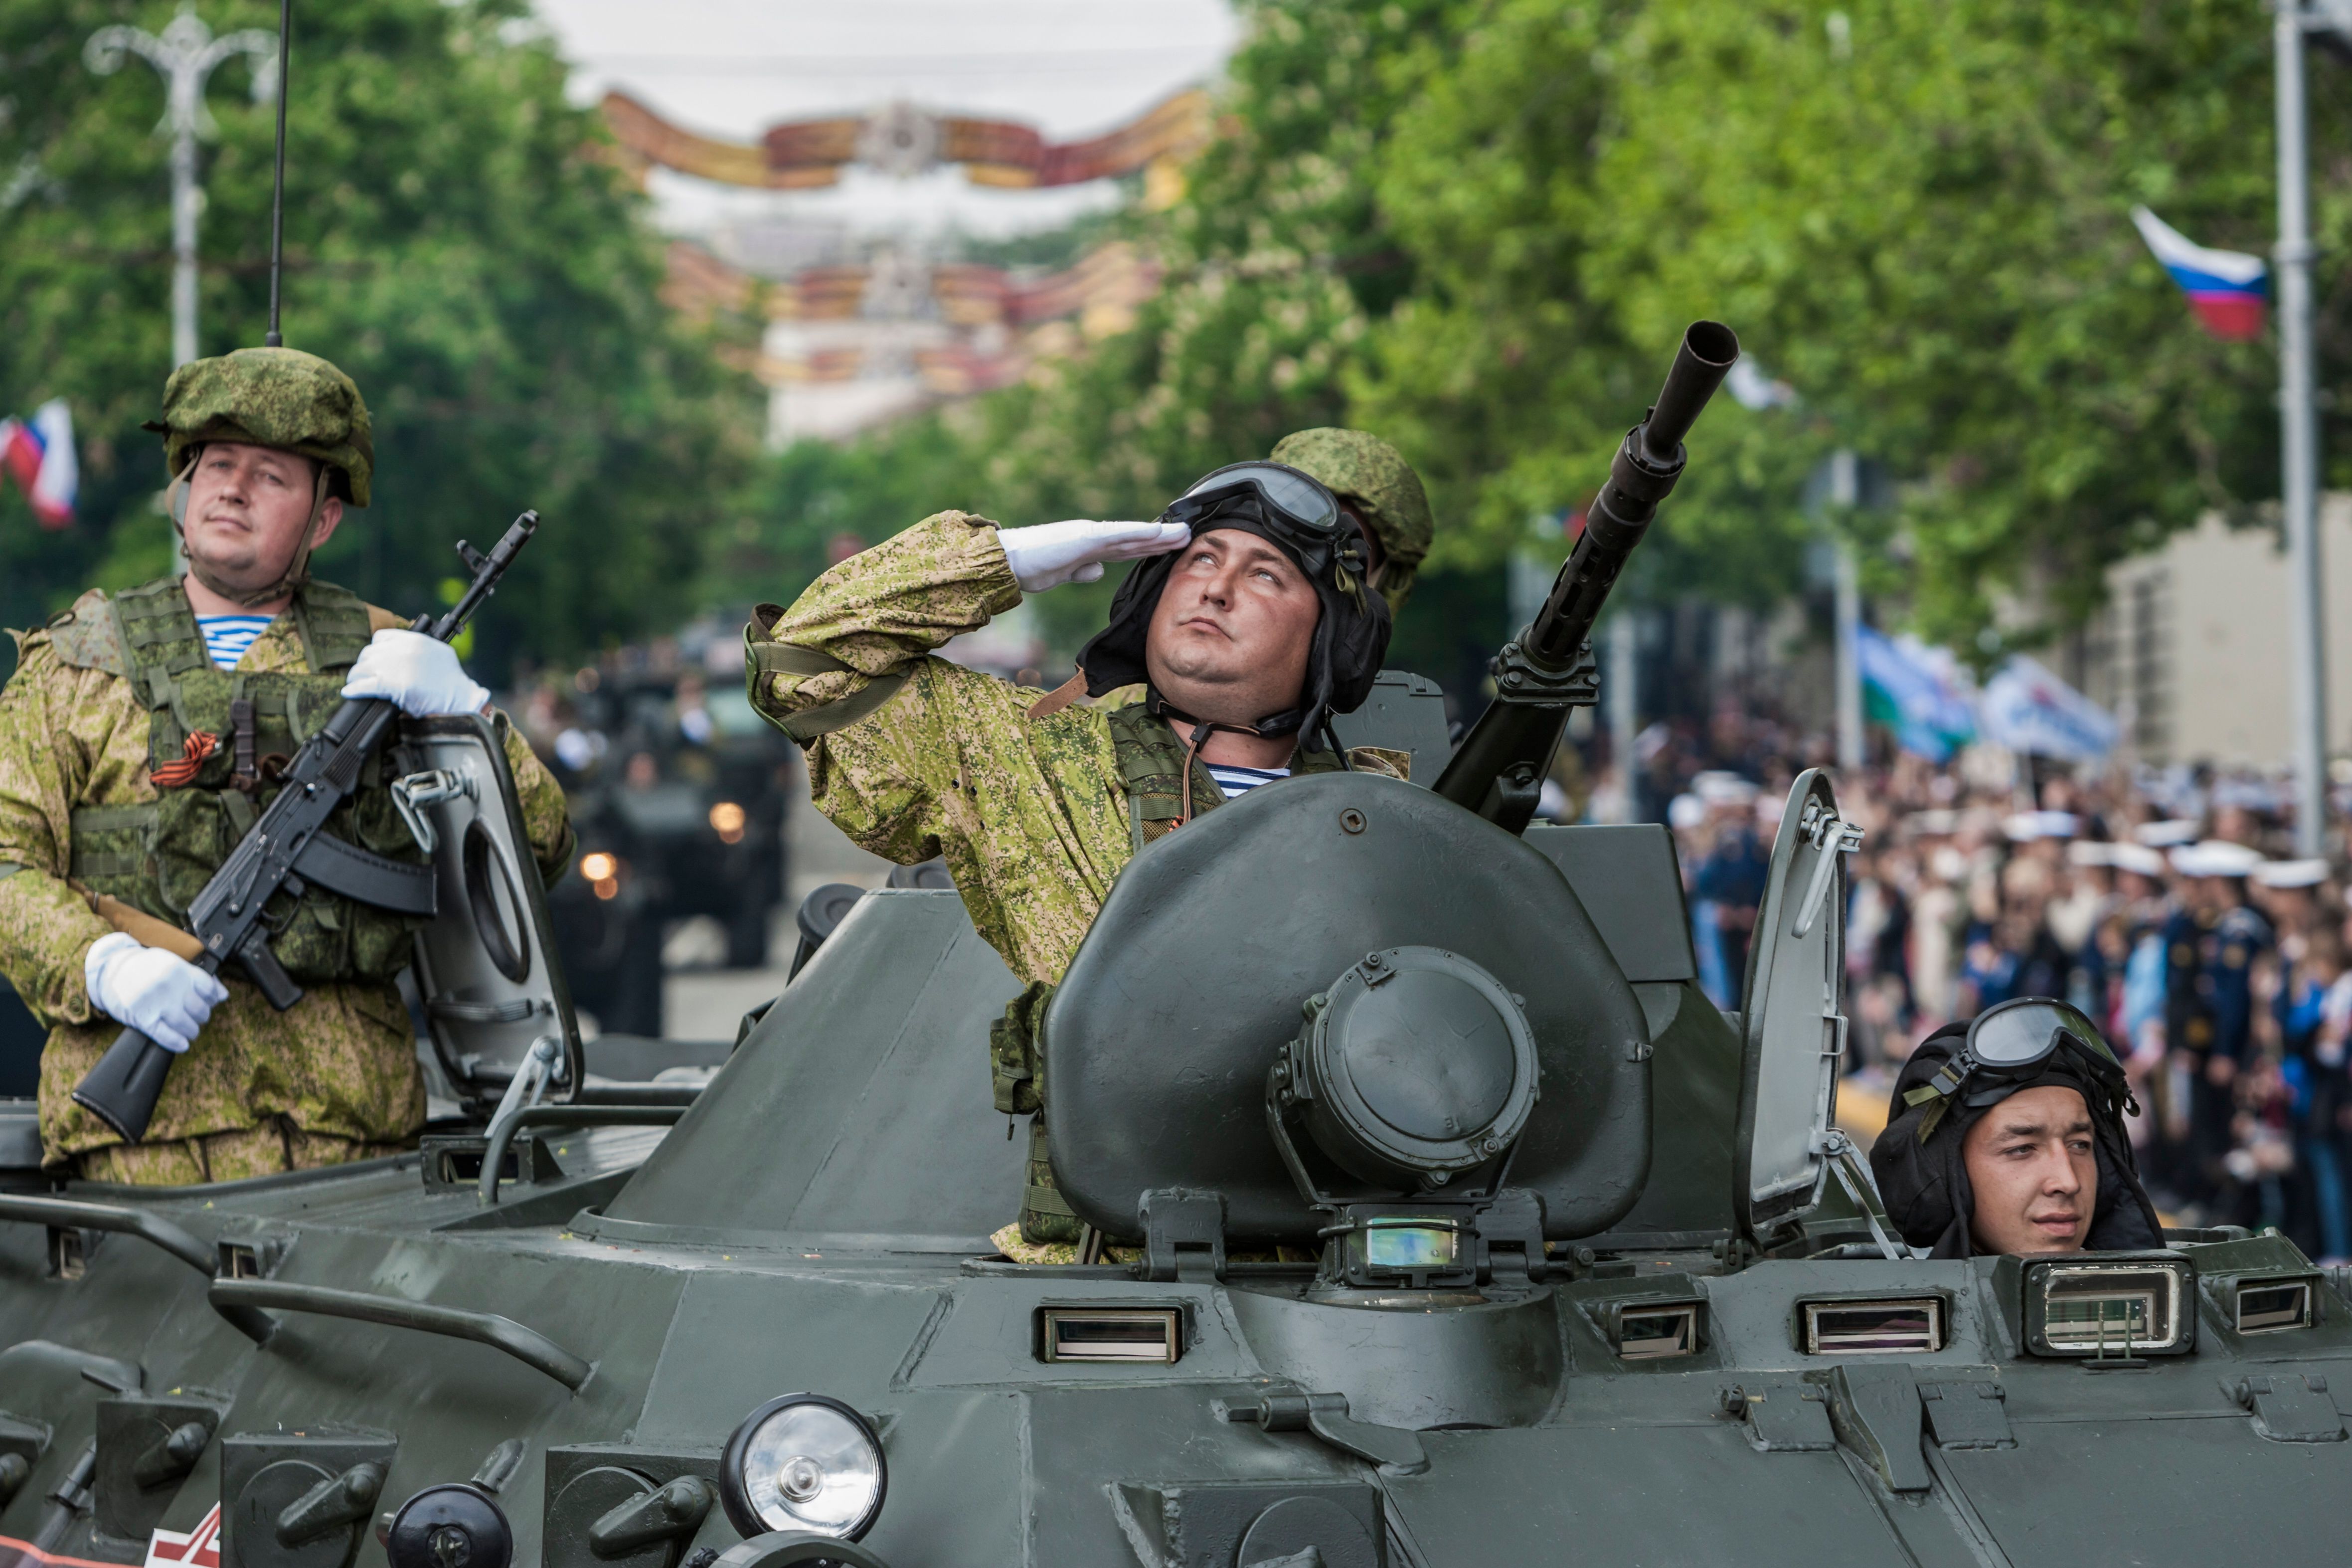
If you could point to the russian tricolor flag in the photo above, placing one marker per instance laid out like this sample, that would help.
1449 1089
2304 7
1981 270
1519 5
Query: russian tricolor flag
2228 289
40 452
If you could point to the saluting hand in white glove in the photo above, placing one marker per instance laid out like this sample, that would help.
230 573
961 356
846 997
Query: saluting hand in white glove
1052 554
159 993
420 675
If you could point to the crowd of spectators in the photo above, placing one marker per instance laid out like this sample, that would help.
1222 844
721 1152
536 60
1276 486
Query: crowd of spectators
2169 906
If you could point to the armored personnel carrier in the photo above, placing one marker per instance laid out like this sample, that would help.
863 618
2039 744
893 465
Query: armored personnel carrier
1445 1222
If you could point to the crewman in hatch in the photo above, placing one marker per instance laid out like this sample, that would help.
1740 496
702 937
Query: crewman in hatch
1260 609
2006 1135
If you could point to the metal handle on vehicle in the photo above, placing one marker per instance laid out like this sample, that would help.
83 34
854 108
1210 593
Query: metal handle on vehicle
634 1094
528 1346
502 1138
75 1213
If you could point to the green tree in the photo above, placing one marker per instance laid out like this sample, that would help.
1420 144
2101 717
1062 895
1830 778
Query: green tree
1515 366
1918 215
455 240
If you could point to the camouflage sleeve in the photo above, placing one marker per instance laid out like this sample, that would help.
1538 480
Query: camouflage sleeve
545 820
846 672
46 929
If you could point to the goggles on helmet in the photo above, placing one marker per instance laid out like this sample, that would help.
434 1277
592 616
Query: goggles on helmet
1295 507
1299 498
2011 1042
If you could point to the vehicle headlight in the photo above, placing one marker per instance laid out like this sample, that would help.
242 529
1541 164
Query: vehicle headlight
727 821
602 869
804 1462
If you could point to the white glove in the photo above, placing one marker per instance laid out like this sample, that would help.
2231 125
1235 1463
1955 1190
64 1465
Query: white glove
159 993
1052 554
419 674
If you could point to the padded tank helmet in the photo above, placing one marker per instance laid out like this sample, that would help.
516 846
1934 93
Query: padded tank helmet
1373 478
271 398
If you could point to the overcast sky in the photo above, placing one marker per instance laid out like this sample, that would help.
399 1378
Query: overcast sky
732 67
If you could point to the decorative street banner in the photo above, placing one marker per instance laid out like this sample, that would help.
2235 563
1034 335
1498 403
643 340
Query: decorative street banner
2027 709
905 141
2227 288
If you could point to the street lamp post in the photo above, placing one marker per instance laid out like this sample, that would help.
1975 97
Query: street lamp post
2298 419
185 54
1845 492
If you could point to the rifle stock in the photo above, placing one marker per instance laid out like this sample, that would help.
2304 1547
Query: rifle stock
1498 771
224 918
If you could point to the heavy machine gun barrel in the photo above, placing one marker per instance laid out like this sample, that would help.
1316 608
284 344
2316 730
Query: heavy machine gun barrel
1497 770
284 848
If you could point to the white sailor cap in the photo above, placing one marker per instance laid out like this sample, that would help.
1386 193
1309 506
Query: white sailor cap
2136 859
1716 787
2292 873
2215 858
2028 825
2164 834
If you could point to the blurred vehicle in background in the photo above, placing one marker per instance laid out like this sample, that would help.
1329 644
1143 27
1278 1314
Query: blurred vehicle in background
677 790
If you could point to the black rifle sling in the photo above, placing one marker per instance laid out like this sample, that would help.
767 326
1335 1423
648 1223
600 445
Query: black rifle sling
346 868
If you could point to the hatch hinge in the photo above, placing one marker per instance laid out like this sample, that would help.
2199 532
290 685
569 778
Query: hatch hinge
1968 1414
1325 1416
2289 1407
1781 1417
1183 1235
1876 1413
1511 1238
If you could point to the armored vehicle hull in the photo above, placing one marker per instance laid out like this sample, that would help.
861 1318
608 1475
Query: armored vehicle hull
817 1222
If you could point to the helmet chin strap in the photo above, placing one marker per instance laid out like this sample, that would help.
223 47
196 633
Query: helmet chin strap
1279 725
297 569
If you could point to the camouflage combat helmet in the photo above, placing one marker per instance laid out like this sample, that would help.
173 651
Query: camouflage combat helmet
271 398
1373 477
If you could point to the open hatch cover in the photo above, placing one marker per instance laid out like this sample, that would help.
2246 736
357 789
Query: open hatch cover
487 966
1794 1031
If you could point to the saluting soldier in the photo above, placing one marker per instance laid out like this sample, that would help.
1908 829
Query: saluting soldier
139 738
1260 608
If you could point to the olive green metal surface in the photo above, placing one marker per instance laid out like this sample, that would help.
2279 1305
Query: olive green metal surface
817 1221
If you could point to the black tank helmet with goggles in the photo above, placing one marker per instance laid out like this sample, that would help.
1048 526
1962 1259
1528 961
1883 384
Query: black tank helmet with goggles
1960 1073
2008 1046
1299 516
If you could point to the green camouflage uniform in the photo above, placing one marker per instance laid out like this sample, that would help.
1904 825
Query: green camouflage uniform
332 1077
335 1076
914 758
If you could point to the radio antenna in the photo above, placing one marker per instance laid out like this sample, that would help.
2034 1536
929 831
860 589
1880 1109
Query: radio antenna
277 190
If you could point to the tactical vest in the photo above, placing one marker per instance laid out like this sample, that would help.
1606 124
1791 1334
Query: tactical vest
1150 761
158 856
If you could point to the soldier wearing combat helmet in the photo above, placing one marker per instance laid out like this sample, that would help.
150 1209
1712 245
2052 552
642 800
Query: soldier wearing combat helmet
139 740
1254 614
1378 491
